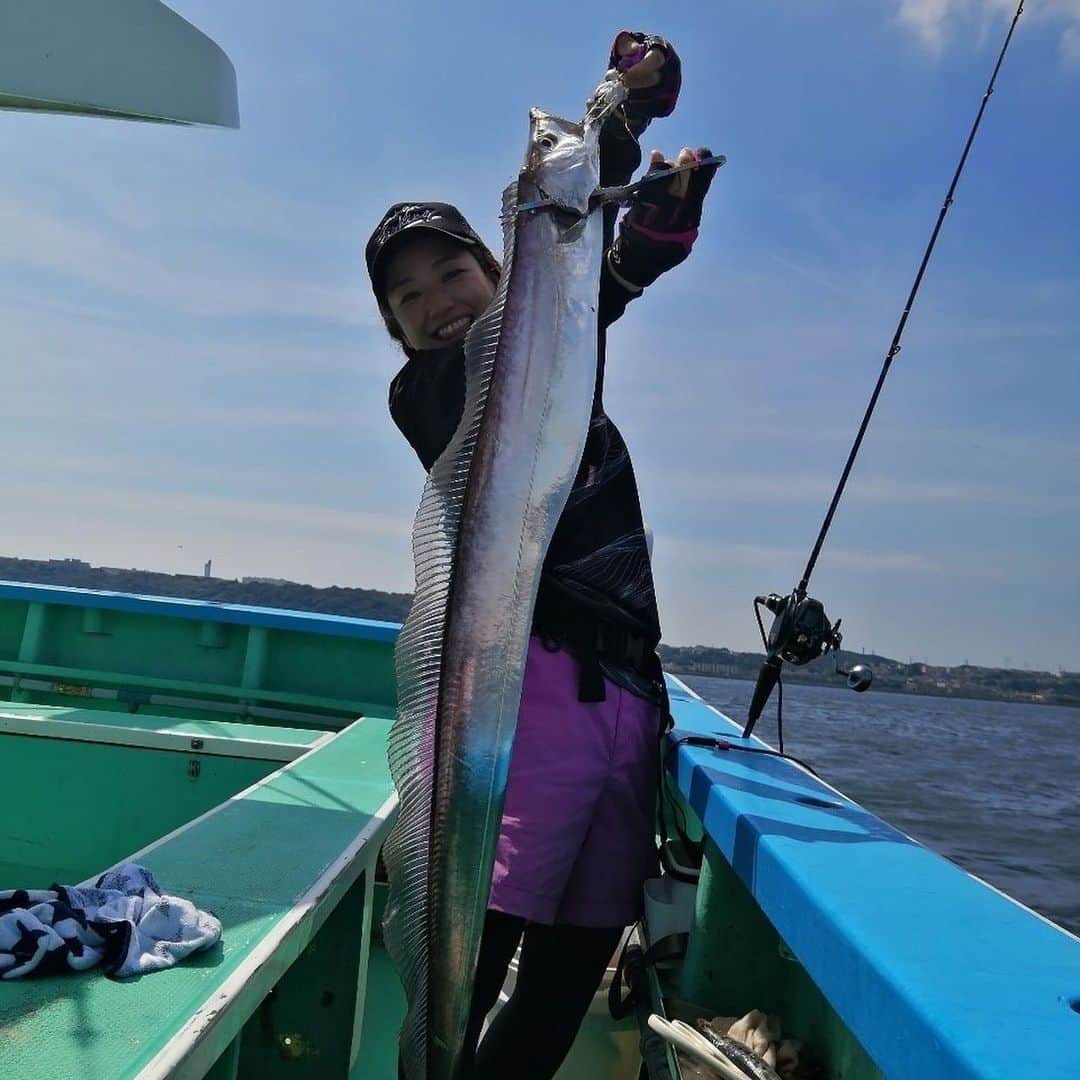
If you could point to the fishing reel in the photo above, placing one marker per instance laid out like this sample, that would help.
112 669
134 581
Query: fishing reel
800 632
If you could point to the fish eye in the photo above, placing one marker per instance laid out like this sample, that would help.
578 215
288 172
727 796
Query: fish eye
547 141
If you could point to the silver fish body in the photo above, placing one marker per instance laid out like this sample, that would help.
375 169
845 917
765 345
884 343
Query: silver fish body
489 508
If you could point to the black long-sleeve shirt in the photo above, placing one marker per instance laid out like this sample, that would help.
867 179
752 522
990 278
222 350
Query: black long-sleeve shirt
597 571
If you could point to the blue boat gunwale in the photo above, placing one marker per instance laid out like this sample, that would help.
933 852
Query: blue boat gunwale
205 611
928 965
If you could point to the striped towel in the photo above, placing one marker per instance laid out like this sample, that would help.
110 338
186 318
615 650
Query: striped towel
124 923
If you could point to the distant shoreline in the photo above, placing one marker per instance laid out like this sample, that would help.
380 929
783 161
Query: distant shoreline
965 681
836 683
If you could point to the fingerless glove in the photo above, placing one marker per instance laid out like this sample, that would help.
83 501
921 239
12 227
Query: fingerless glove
658 230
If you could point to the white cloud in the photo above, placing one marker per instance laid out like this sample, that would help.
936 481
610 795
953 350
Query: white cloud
936 22
1070 45
927 19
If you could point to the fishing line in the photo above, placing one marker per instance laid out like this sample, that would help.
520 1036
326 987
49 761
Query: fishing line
894 347
720 744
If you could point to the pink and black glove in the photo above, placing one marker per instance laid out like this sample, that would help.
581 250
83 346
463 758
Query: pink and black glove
630 50
659 229
651 69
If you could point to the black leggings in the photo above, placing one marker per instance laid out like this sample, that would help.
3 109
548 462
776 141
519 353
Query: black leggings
558 974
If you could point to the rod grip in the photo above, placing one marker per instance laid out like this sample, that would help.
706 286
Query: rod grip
763 688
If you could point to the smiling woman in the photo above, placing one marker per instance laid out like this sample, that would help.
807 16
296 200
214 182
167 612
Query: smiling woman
429 270
436 290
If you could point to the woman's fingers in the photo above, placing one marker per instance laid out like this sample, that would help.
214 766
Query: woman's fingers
692 181
681 181
700 179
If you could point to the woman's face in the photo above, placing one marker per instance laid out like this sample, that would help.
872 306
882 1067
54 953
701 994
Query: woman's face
436 289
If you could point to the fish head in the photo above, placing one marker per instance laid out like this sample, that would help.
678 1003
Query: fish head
562 165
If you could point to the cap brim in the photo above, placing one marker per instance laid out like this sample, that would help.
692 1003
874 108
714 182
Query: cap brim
379 264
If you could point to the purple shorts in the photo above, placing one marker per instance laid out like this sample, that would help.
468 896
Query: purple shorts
577 836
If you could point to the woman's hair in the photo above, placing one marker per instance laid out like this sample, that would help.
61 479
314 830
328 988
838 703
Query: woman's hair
488 263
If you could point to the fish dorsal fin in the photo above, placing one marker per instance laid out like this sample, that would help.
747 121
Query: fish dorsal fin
412 743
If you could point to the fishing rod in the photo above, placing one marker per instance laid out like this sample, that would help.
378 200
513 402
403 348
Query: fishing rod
801 630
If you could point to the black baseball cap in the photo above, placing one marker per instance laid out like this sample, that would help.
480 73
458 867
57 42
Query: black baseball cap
401 218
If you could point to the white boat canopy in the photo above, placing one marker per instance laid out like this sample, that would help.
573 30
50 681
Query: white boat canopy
131 59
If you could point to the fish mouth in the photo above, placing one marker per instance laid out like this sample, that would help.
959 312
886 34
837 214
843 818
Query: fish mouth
566 217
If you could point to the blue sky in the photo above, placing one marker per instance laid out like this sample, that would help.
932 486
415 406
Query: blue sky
193 367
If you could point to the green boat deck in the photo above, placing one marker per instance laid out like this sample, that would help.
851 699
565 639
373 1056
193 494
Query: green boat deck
240 755
288 866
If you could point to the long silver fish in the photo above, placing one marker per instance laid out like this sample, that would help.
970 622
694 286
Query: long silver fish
488 511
